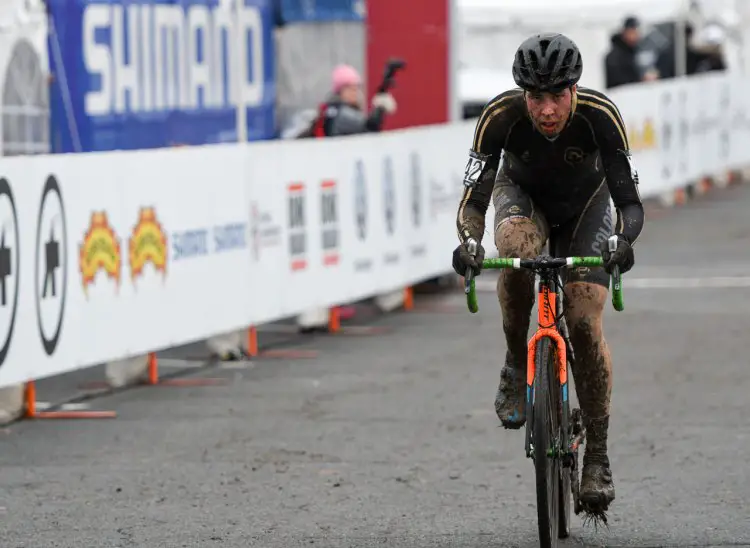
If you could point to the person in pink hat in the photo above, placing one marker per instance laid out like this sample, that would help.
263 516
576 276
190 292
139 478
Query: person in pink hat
343 114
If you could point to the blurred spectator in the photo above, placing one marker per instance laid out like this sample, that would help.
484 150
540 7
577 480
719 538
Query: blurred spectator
704 56
342 113
708 54
621 64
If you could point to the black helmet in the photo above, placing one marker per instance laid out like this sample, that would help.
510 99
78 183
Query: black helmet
547 62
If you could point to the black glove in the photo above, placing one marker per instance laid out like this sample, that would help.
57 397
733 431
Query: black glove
462 259
622 256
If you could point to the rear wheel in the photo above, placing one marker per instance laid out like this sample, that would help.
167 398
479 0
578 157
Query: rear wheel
566 473
565 498
546 428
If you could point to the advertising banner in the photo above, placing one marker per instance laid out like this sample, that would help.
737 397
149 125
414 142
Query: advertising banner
155 73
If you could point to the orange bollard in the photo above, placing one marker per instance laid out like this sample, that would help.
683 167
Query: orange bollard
252 342
334 320
409 298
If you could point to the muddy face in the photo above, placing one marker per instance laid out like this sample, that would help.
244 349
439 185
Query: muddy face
549 111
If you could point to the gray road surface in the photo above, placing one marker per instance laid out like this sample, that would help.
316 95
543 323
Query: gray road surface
391 440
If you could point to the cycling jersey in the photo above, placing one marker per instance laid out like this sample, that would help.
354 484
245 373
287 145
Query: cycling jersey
560 176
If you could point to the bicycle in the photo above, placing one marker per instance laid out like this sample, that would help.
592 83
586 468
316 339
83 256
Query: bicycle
555 436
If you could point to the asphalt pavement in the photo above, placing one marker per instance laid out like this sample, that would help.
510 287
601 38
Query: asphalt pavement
391 439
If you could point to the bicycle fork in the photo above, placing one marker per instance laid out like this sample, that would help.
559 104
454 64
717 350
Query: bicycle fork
550 309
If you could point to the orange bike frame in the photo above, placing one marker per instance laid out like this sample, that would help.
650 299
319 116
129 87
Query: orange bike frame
547 304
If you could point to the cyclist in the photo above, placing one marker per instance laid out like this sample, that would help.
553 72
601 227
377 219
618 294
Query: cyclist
550 155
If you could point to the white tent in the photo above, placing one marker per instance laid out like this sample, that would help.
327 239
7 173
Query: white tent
490 30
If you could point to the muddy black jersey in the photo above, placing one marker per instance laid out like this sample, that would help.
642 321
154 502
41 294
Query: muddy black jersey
561 175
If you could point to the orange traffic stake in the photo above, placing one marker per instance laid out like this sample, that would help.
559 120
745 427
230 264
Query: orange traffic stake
334 320
409 298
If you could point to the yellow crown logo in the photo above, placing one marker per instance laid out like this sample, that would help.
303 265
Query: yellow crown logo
100 250
148 244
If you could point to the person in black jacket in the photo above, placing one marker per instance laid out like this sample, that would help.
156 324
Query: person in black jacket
621 63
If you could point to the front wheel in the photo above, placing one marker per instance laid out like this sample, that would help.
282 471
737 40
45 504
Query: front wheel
546 430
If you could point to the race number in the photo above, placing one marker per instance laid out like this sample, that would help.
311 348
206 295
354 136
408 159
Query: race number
474 168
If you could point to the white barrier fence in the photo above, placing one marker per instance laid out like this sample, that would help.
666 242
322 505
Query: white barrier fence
112 255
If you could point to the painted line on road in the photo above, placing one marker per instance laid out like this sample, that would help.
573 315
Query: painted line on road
715 282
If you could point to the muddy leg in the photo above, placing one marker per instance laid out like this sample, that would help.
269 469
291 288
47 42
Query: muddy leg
520 238
517 237
593 377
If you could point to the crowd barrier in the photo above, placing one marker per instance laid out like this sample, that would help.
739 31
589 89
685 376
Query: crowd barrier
108 256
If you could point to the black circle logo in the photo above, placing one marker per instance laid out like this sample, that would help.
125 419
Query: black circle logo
9 265
389 195
573 156
51 272
360 199
416 190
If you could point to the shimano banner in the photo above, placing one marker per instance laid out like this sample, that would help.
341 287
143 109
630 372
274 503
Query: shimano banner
132 74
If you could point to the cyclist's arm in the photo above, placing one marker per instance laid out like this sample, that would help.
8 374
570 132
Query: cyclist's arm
482 164
622 178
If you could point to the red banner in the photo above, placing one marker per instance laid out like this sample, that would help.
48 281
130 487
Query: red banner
417 31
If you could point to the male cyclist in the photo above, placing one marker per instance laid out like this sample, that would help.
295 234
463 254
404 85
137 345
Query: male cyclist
550 155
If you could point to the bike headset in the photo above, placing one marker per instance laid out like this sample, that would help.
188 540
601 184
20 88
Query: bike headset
547 62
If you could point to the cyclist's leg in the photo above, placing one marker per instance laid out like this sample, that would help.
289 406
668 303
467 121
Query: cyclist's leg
520 231
586 294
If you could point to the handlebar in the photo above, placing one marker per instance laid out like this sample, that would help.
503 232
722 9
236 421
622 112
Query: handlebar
543 263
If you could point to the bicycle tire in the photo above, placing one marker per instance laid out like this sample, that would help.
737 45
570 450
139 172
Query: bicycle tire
566 493
566 474
547 468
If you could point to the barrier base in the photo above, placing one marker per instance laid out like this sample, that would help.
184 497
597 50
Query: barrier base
31 411
335 327
154 380
287 354
253 352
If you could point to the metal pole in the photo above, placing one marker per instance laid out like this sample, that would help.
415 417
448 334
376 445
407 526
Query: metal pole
239 69
680 42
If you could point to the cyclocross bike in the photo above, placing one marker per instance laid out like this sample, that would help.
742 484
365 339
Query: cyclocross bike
554 433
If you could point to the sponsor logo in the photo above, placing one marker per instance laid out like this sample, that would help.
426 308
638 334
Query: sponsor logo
100 250
416 191
148 244
389 206
264 233
51 272
330 222
197 242
297 226
9 265
361 207
418 250
189 244
642 137
603 232
445 194
389 195
230 237
573 156
360 199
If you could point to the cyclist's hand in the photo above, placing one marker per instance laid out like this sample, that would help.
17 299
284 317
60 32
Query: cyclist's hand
622 256
462 258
